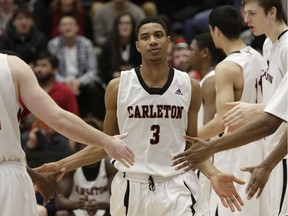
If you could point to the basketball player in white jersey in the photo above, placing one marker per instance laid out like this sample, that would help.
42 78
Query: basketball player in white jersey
17 82
235 79
269 121
267 17
203 57
155 104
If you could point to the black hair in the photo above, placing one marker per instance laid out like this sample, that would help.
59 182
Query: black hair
51 58
152 19
227 19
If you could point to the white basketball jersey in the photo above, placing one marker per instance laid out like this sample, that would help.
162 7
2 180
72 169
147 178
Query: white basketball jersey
252 65
231 161
277 106
10 145
155 119
276 55
96 189
201 110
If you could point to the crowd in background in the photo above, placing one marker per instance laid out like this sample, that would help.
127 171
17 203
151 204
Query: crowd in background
76 47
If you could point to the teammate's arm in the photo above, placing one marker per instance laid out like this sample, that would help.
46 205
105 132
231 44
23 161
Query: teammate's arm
222 183
40 104
209 98
225 79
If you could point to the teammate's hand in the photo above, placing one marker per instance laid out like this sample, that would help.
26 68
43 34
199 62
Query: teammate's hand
240 114
197 153
259 177
224 187
51 167
46 184
118 150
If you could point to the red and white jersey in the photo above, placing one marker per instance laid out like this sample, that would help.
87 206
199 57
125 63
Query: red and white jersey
10 145
96 189
155 119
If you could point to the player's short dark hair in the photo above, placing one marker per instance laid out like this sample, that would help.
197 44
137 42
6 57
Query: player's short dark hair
50 57
151 19
227 19
267 5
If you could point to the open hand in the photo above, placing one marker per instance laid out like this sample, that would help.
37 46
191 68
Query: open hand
118 150
198 152
52 167
240 114
259 177
224 187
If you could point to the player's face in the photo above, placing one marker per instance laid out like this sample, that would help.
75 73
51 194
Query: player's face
255 18
153 42
195 55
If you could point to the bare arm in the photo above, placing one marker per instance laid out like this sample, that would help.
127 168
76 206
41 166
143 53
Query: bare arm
209 97
68 124
222 183
226 77
202 150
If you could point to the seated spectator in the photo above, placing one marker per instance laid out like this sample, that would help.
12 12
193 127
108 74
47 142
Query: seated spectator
6 12
119 52
180 56
78 67
22 37
86 191
105 16
60 7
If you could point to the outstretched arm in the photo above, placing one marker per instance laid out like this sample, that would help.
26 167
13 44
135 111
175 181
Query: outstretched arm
222 183
71 126
201 150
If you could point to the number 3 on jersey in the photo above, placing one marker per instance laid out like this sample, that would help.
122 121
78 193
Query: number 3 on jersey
156 134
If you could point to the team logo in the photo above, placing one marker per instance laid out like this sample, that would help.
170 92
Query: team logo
178 92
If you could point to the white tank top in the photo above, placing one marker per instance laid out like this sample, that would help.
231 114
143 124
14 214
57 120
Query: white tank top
252 64
96 189
276 56
10 145
155 119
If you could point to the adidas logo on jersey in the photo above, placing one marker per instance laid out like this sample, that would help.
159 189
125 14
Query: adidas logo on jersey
178 92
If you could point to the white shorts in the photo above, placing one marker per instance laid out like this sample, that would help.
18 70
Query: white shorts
17 196
137 194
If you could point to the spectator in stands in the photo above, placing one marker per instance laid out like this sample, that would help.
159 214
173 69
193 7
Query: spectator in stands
105 15
22 37
7 8
78 67
60 7
119 52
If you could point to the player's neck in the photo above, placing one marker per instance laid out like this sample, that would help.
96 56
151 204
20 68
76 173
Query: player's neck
154 76
233 46
275 31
